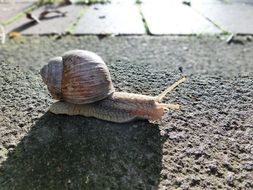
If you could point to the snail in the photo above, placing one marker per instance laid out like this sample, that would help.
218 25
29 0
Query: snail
81 81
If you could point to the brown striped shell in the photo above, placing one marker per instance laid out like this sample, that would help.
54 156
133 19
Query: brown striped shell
78 77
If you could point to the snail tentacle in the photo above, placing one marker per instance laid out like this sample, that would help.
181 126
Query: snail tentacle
160 97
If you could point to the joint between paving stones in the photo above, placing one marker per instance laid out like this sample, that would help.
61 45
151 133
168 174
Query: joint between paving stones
71 28
144 20
216 25
21 14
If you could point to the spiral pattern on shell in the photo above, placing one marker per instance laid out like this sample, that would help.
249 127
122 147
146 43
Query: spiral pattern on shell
78 77
52 76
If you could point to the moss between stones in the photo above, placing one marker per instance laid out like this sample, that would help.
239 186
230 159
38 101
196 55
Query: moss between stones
86 2
72 26
19 15
45 2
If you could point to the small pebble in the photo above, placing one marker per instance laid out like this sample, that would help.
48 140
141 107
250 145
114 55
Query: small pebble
230 179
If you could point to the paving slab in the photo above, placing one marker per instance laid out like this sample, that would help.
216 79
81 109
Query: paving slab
207 144
8 10
207 1
52 24
123 2
234 18
182 1
21 1
175 18
194 2
111 19
160 1
240 1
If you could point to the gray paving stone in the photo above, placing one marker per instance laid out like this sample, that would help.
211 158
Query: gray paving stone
194 2
111 1
240 1
123 2
234 18
22 1
162 1
111 19
8 10
166 18
53 24
181 1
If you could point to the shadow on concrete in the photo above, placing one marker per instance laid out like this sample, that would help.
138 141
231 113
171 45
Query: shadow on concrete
24 26
32 23
73 152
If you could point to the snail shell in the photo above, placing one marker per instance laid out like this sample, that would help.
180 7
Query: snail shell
78 77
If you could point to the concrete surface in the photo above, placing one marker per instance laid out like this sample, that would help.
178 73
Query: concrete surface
110 19
168 18
9 10
206 145
157 16
237 18
52 24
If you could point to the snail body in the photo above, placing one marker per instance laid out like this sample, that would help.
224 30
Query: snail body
120 107
109 105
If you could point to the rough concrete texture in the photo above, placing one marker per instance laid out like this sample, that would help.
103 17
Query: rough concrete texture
208 144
